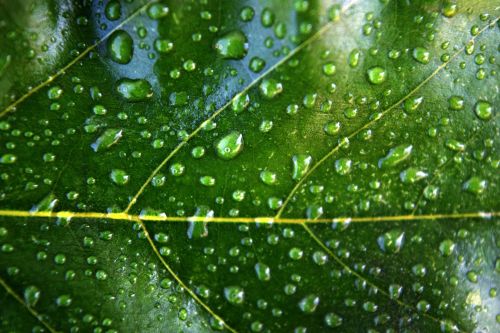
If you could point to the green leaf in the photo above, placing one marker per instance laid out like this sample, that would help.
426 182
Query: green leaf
249 166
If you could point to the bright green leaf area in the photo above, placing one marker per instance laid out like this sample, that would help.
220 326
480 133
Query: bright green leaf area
249 166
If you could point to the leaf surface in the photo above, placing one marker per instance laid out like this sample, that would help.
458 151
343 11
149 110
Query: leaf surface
298 166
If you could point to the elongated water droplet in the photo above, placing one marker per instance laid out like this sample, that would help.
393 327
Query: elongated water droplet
113 10
107 139
47 204
412 175
134 90
232 45
475 185
263 271
197 227
354 58
229 146
301 164
31 295
395 156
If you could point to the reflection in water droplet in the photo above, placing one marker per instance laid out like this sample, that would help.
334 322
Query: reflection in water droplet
134 90
120 47
377 75
229 146
232 45
395 156
301 164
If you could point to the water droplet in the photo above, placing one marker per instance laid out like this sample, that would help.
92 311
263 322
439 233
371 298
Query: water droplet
55 93
31 295
267 17
354 56
332 128
234 294
377 75
268 177
483 110
208 181
329 69
411 104
395 156
446 247
343 166
64 301
233 45
240 103
263 271
107 139
47 204
475 185
392 241
113 10
449 9
309 303
333 320
157 11
456 103
229 146
422 55
301 164
197 227
269 88
134 90
119 177
120 47
412 175
455 145
8 159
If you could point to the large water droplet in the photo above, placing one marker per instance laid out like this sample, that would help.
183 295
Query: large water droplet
229 146
395 156
263 271
31 295
113 10
107 139
301 164
197 227
234 294
343 166
392 241
377 75
269 88
232 45
422 55
475 185
309 303
483 110
120 47
134 90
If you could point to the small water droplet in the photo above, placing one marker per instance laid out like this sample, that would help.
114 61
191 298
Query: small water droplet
422 55
309 303
107 139
483 110
263 271
392 241
119 177
234 295
301 164
31 295
134 90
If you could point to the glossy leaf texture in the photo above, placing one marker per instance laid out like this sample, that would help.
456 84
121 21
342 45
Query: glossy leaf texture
249 166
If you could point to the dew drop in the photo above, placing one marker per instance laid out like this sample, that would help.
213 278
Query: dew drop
475 185
422 55
412 104
343 166
333 320
120 47
412 175
269 88
119 177
309 303
229 146
263 271
107 139
234 295
134 90
392 241
450 9
456 103
301 164
113 10
31 295
233 45
483 110
376 75
395 156
197 227
446 247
